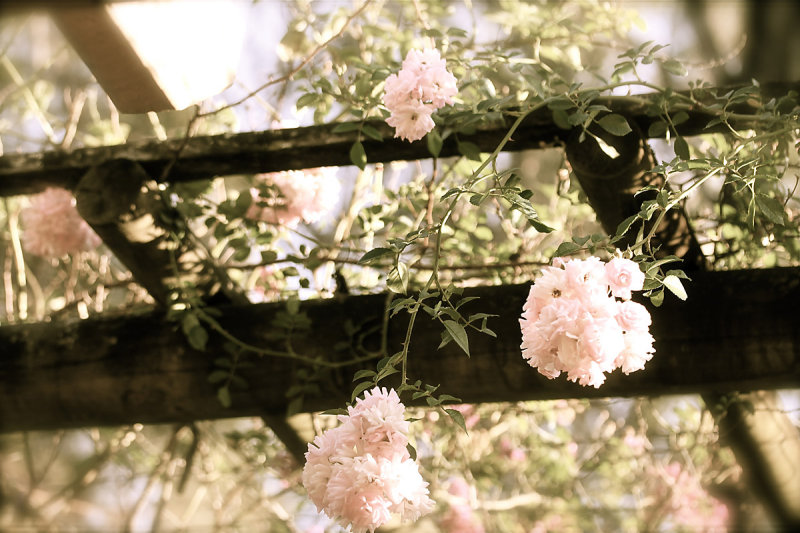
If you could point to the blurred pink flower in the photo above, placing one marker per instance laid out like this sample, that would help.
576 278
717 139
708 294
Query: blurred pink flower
360 473
422 86
52 226
306 195
689 502
459 518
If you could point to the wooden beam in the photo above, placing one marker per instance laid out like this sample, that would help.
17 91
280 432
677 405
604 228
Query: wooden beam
738 331
153 56
309 147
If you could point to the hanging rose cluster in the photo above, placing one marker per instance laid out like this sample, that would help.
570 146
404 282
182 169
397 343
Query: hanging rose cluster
360 472
579 319
422 86
52 226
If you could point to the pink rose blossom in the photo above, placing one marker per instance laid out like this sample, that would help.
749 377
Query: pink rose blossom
624 276
52 226
304 195
572 322
411 120
360 473
633 316
422 86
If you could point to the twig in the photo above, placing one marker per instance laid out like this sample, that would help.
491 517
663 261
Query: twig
298 68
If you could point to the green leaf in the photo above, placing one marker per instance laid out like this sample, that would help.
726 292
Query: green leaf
458 333
365 373
217 375
224 397
682 148
625 225
566 248
397 280
371 132
306 100
412 452
344 127
673 66
434 141
673 283
771 207
374 254
607 149
295 406
198 338
458 418
539 226
469 150
657 298
361 387
561 119
657 129
615 124
358 156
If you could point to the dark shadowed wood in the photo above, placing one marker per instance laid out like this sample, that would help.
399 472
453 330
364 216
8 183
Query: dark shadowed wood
314 146
738 331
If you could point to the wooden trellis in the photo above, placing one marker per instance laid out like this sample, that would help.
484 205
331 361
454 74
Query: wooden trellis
737 332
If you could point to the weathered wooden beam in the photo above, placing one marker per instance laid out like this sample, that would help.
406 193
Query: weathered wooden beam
308 147
737 331
141 52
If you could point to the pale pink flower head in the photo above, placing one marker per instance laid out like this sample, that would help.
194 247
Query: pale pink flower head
572 322
412 120
422 86
633 316
586 278
305 195
624 276
602 340
378 420
53 228
360 472
638 350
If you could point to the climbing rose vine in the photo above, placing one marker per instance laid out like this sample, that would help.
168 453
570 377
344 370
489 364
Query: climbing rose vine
53 228
360 472
573 321
422 86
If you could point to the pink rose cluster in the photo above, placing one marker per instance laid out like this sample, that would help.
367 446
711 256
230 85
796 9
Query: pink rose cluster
579 319
53 228
306 195
422 86
360 473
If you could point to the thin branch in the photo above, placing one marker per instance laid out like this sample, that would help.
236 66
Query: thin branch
298 68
